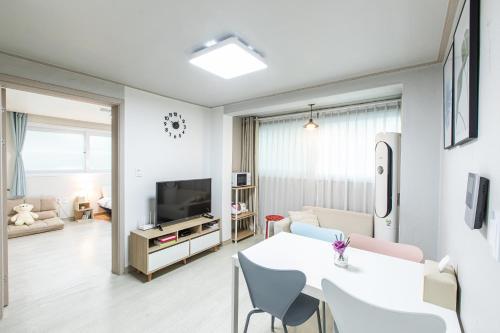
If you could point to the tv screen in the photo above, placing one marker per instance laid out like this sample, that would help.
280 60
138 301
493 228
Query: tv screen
179 200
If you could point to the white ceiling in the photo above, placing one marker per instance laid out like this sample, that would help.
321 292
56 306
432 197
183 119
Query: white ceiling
147 44
44 105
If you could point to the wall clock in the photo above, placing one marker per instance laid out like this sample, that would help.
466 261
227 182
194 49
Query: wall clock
175 125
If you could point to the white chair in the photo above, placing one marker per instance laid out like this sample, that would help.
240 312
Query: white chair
353 315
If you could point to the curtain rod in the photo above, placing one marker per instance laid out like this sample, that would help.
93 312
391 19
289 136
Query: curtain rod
336 108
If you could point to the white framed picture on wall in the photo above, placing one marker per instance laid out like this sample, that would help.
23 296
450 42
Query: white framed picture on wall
466 73
448 123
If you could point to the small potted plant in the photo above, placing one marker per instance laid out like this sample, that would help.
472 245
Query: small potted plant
339 246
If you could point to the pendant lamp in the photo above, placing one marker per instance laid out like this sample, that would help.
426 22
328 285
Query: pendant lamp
310 125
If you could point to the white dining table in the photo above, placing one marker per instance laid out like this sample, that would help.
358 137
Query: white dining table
386 281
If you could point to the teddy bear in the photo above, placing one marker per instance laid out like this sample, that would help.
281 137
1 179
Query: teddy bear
24 215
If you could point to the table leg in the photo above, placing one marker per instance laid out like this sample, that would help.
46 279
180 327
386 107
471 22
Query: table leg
234 299
324 316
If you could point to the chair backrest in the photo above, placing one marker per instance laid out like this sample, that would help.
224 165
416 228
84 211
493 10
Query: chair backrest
398 250
346 221
347 311
271 290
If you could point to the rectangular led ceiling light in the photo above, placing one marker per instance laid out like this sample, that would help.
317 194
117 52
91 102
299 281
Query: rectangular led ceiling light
228 59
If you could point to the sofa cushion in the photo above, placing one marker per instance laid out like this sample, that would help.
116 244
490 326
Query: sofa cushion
35 202
48 214
305 216
48 203
346 221
39 205
11 203
311 231
398 250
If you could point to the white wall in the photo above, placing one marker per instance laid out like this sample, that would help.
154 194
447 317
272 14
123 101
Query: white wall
66 187
198 154
236 144
222 129
227 143
478 272
420 128
421 118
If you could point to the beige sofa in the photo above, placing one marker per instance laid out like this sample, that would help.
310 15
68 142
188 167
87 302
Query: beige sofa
44 207
343 220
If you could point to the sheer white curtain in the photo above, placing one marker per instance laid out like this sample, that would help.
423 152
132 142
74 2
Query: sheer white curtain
331 166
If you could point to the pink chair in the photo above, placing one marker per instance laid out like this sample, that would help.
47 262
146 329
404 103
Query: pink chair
398 250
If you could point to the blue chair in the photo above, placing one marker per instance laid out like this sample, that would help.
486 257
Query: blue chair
278 292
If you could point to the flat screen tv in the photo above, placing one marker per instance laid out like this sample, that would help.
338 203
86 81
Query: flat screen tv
183 199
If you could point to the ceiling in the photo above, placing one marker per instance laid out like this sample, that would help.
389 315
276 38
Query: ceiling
147 44
44 105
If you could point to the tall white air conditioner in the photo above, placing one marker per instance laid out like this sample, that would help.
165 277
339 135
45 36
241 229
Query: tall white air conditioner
387 165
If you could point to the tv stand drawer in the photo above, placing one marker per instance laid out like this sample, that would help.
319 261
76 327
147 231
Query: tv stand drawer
205 242
162 258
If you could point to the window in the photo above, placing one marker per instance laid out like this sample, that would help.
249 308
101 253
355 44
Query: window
53 151
342 147
60 149
99 152
330 167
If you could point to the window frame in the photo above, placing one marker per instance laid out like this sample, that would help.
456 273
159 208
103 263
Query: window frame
85 132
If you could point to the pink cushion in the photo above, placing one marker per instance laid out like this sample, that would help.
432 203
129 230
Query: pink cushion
398 250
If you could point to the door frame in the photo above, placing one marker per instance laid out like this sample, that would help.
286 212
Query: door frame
4 267
117 172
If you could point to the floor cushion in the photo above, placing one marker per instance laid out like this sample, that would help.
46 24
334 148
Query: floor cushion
39 226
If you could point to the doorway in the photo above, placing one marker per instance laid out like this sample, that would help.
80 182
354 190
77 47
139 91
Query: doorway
111 106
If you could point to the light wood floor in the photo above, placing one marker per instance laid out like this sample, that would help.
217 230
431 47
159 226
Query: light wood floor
102 216
61 282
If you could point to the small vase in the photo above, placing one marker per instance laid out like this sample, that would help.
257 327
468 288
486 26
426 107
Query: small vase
341 260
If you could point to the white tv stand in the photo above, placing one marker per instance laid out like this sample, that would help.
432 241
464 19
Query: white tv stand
148 258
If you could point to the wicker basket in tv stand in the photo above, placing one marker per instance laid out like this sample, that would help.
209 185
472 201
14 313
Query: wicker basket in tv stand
148 258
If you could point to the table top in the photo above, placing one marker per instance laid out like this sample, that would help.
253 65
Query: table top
385 281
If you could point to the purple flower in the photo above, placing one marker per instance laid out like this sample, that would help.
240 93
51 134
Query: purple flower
339 246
